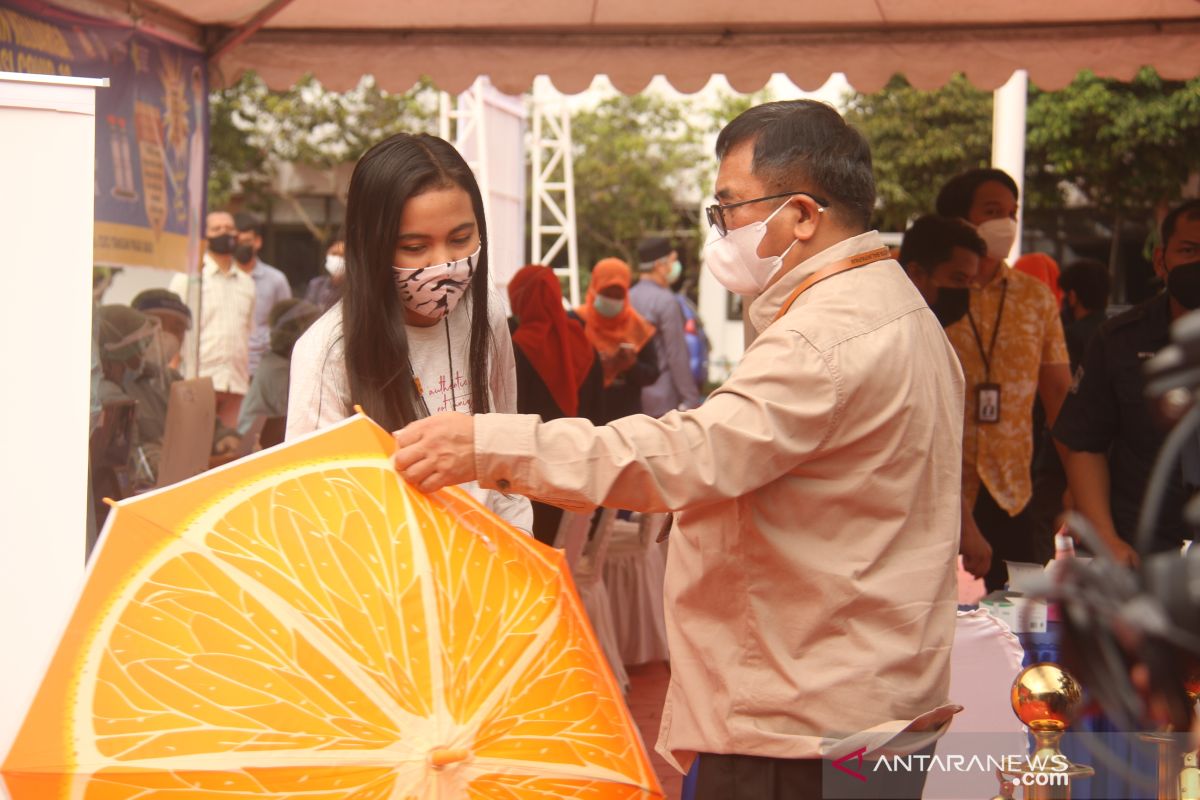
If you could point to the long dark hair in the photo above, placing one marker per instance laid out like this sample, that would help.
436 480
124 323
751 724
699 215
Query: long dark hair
375 341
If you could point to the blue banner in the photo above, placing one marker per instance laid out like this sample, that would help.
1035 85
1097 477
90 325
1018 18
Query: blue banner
151 127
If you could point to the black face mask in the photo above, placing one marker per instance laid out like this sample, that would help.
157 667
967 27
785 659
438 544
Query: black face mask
244 253
1183 283
951 305
222 245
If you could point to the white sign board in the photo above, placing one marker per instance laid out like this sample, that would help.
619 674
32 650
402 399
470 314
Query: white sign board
47 158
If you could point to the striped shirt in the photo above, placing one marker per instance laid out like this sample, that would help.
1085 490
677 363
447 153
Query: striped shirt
226 320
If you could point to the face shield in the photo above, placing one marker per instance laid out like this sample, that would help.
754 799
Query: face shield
162 347
125 339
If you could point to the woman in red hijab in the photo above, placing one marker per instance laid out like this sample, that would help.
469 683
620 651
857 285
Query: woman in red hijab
558 371
624 340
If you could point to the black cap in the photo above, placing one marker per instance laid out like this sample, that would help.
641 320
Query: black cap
162 300
651 250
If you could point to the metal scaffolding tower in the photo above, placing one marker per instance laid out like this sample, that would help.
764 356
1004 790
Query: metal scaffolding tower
461 121
553 208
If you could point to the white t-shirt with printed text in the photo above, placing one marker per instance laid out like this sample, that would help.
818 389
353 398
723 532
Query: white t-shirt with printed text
319 394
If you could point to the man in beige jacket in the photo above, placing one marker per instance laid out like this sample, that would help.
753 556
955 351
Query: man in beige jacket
811 577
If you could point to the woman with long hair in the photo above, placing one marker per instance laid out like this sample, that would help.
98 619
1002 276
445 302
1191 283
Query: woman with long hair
419 329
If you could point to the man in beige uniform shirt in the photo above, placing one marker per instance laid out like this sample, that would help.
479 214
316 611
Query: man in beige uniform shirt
811 574
226 319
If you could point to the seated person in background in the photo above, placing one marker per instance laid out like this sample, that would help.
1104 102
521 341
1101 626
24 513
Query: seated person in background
558 371
150 385
941 256
124 336
622 337
268 392
174 319
325 290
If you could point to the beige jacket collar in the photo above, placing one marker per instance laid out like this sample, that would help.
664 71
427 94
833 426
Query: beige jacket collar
767 305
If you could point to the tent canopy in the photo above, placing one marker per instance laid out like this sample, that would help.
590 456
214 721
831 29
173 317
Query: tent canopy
687 41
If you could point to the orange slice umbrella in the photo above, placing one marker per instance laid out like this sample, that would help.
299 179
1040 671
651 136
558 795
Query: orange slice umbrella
303 624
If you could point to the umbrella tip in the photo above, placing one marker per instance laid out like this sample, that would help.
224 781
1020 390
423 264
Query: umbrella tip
359 409
108 501
442 756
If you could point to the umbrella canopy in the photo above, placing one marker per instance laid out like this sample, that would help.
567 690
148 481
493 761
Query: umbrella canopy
303 624
685 40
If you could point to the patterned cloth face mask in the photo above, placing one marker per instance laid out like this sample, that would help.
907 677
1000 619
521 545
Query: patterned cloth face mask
434 291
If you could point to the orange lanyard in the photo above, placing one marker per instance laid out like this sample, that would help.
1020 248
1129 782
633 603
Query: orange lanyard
845 265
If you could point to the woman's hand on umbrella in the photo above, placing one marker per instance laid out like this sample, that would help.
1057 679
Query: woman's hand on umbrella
437 451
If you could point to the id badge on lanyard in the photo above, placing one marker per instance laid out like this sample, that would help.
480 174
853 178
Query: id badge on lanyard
987 393
987 403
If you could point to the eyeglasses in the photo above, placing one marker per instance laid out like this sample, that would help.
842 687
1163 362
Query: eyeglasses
716 213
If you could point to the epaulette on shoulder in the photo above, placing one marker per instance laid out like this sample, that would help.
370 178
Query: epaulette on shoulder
1125 318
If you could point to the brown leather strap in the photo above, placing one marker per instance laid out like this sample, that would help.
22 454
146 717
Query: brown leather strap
845 265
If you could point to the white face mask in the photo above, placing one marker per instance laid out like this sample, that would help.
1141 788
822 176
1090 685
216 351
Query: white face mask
434 291
734 259
608 306
335 265
999 235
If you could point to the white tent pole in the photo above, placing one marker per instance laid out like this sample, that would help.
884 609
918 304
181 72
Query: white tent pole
461 121
1008 139
475 107
568 160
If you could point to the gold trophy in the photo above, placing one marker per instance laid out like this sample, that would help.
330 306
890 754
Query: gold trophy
1046 698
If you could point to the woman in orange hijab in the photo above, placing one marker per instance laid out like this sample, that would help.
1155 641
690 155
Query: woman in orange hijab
624 340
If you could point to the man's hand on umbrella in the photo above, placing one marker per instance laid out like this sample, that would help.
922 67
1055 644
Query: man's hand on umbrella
436 452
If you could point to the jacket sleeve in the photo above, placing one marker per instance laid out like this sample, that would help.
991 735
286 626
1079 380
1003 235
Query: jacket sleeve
513 508
774 413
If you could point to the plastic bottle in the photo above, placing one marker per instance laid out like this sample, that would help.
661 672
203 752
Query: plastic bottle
1064 548
1064 544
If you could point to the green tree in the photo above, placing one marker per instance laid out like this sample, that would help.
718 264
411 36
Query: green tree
1127 147
636 158
254 130
919 139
